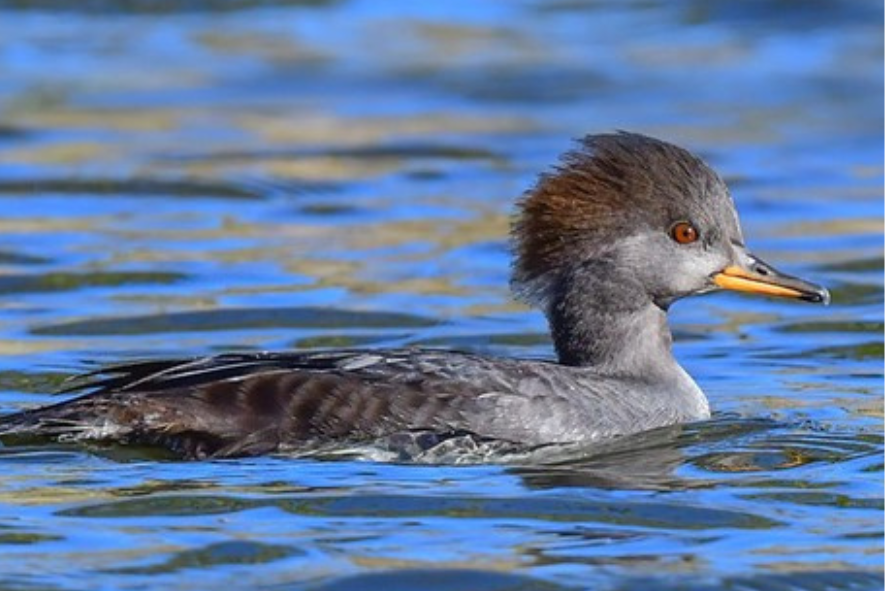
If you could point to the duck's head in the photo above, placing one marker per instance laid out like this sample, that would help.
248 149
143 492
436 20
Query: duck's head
639 217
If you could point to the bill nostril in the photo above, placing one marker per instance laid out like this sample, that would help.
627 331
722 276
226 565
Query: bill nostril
761 270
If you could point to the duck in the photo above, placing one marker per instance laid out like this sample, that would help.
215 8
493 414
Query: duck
603 244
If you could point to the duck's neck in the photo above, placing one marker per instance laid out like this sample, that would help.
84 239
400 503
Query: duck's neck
604 320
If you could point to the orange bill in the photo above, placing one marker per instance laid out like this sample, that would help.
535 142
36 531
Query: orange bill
762 279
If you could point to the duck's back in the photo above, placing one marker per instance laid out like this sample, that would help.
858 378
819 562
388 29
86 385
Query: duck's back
258 403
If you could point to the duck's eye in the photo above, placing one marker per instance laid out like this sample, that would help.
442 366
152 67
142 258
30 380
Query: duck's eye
684 233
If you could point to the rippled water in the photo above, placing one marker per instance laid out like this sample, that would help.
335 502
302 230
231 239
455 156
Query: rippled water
188 178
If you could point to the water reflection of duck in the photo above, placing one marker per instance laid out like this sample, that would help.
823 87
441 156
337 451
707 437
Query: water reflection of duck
603 245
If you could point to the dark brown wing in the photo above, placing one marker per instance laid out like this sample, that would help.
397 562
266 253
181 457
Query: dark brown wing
257 403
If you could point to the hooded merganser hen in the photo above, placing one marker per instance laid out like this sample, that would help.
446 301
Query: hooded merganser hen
623 227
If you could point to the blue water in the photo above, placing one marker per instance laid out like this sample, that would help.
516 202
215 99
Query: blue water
190 178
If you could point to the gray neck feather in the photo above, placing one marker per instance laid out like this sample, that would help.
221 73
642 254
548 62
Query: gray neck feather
603 319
